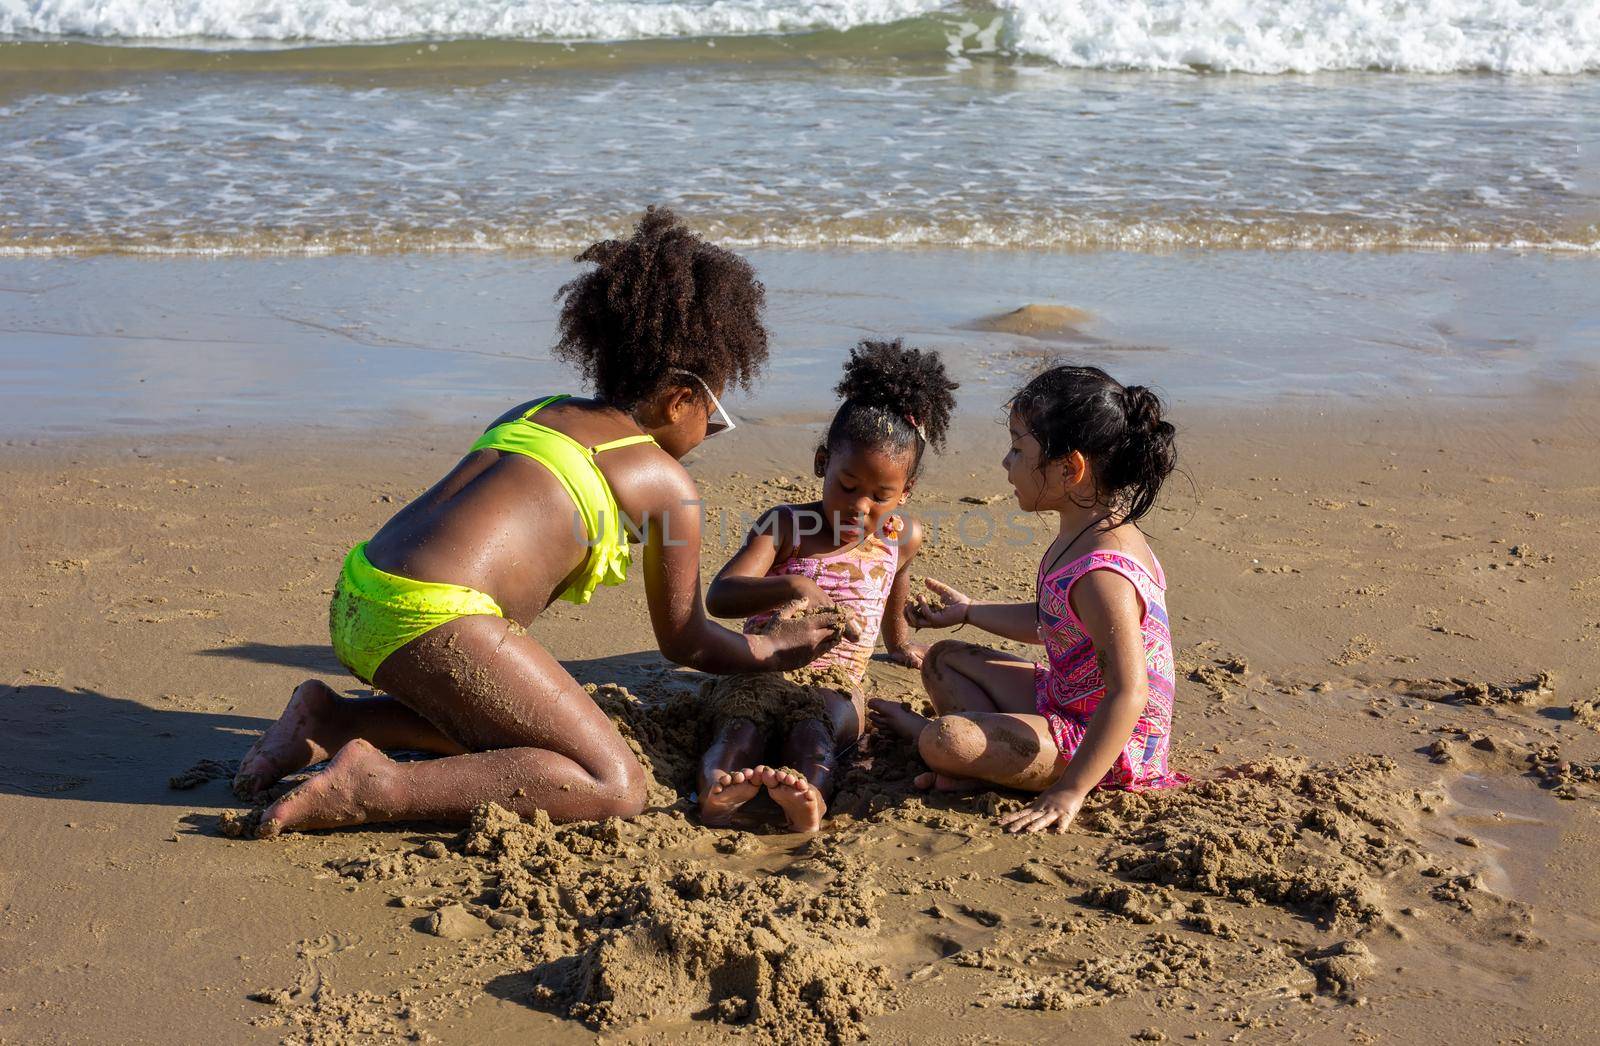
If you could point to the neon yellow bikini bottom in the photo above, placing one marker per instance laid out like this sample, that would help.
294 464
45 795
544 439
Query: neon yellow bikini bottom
374 613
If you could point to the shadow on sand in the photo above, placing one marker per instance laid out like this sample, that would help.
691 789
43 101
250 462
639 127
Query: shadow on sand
75 743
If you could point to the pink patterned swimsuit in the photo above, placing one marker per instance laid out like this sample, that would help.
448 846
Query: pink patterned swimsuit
1069 687
858 577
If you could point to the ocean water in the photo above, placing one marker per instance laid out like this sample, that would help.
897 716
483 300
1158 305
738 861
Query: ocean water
249 127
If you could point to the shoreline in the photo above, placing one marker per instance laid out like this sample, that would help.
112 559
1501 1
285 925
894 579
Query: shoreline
134 345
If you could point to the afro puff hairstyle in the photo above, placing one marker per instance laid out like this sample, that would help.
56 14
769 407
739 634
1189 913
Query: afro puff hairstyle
894 398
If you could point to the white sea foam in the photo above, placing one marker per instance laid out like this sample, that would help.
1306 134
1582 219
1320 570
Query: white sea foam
1304 36
1254 36
359 21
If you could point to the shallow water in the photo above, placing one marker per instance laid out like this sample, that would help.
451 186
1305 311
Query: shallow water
118 344
283 127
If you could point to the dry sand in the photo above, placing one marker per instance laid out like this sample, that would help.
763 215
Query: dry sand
1389 621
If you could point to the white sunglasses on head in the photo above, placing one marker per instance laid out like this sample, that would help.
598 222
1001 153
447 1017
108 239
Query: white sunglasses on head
720 420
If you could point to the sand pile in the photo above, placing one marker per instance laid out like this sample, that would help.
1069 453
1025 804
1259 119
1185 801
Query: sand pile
618 922
1044 322
616 934
1480 750
774 701
1279 831
1461 691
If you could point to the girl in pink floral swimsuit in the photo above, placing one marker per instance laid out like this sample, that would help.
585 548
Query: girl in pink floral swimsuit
850 549
1098 712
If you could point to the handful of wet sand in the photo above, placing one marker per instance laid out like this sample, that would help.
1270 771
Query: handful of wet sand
844 620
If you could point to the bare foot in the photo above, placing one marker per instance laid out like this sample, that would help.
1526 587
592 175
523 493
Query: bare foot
941 783
289 744
729 792
896 716
802 804
348 792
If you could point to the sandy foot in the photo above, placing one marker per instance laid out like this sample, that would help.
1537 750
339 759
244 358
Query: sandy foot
729 792
896 716
802 804
941 783
344 794
290 743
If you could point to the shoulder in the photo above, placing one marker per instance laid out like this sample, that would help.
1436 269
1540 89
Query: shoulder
910 539
647 481
514 413
1104 593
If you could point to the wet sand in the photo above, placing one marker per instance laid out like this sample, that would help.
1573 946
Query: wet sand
144 346
1390 636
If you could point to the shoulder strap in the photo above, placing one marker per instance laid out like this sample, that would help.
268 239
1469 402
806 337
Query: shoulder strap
542 404
626 441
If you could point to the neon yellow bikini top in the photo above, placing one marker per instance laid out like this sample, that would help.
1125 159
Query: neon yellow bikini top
573 464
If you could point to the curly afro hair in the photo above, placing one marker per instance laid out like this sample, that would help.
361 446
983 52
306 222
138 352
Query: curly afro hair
895 398
662 299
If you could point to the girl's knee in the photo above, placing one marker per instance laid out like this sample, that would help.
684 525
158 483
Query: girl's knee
936 664
951 741
623 789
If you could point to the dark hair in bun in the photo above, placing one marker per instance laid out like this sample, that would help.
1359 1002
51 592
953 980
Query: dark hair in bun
1119 428
895 398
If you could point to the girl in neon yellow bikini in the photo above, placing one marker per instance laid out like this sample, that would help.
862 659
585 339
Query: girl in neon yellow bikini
429 610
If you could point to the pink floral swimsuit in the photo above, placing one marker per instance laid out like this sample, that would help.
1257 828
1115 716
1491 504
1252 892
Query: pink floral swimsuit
858 577
1069 688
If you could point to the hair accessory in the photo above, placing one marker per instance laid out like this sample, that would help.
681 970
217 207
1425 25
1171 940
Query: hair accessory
911 419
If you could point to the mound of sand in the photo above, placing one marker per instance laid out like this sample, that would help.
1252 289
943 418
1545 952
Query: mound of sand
1277 831
1045 322
618 937
774 701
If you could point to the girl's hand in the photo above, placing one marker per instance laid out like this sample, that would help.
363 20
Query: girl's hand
909 654
939 607
807 595
798 638
1050 812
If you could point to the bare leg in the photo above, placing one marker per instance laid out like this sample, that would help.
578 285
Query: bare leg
965 677
961 677
317 722
1016 751
728 779
535 741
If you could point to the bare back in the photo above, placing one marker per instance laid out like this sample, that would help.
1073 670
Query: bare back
502 523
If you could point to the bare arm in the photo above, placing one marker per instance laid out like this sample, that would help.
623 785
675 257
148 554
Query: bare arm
1018 621
672 589
742 587
1108 605
948 608
896 630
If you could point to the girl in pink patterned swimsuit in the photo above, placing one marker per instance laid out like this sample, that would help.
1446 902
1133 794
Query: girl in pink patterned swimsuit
1099 711
849 550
